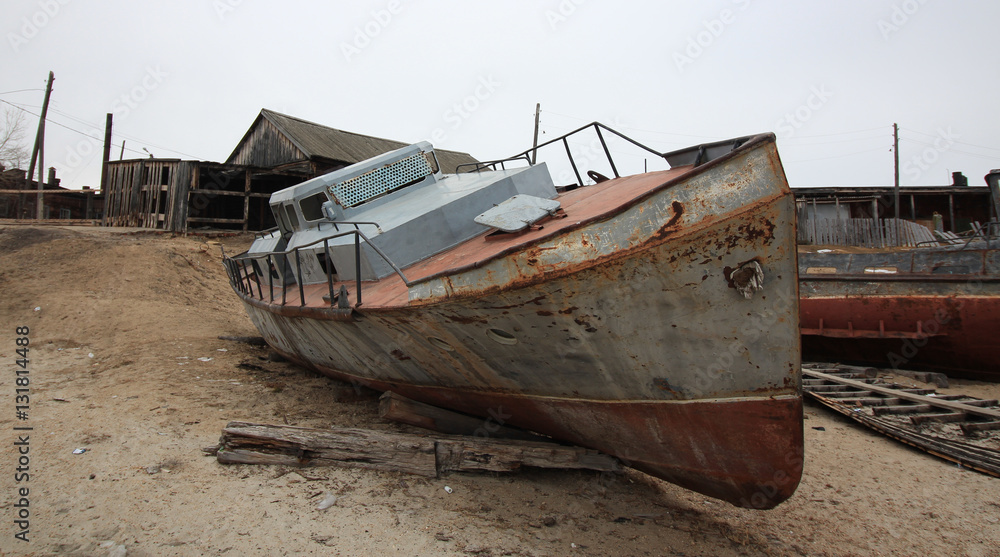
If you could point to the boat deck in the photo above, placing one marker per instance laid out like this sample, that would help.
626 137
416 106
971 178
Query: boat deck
579 207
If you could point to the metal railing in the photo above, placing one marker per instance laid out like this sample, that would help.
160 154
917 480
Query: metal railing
530 154
244 272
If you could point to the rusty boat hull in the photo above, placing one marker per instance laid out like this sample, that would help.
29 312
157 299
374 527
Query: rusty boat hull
930 309
616 327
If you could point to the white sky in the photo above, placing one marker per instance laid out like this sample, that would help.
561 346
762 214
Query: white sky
186 78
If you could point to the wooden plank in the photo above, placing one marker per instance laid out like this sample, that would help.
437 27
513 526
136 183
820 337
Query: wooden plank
847 394
217 221
56 222
398 408
827 388
903 409
246 200
862 401
229 193
51 192
249 443
950 405
469 454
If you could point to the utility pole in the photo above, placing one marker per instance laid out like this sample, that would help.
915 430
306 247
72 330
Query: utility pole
534 151
104 167
39 152
895 154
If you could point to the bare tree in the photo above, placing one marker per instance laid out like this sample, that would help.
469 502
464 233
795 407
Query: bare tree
13 152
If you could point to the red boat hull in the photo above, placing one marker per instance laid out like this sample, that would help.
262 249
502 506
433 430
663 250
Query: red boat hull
955 335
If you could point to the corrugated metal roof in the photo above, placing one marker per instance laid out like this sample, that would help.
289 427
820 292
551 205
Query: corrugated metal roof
317 141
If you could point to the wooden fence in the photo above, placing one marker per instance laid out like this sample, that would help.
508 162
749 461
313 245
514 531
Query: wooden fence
869 233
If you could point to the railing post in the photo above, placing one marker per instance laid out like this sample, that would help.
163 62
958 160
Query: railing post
270 278
246 278
572 162
256 277
298 278
247 284
606 151
284 289
329 264
357 263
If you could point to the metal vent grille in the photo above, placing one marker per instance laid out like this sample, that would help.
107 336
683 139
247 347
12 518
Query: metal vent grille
380 180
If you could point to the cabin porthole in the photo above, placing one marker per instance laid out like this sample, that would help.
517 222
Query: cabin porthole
501 336
440 344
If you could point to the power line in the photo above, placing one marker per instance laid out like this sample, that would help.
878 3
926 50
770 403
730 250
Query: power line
85 134
102 139
939 135
20 91
837 156
841 133
852 140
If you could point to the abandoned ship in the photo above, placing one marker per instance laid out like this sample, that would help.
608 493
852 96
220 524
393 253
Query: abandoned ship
653 317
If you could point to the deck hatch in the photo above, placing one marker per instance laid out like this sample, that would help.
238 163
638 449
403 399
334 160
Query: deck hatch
379 181
518 212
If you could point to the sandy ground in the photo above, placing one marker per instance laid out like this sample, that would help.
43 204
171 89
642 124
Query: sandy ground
125 362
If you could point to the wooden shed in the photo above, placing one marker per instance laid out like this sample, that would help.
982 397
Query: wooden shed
277 151
287 144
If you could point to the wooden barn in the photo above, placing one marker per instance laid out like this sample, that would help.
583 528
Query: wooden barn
276 152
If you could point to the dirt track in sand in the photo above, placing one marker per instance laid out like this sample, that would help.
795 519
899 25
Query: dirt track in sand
160 385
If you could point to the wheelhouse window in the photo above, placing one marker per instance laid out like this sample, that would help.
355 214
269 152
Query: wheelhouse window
312 206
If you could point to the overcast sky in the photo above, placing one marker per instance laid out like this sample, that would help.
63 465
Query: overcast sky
185 78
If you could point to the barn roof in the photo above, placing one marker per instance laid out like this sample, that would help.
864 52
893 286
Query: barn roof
314 141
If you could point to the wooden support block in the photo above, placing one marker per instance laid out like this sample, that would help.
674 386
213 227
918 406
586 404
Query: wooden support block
469 454
395 407
247 443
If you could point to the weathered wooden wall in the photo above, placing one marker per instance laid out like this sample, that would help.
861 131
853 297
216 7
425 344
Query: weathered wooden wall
266 147
147 193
